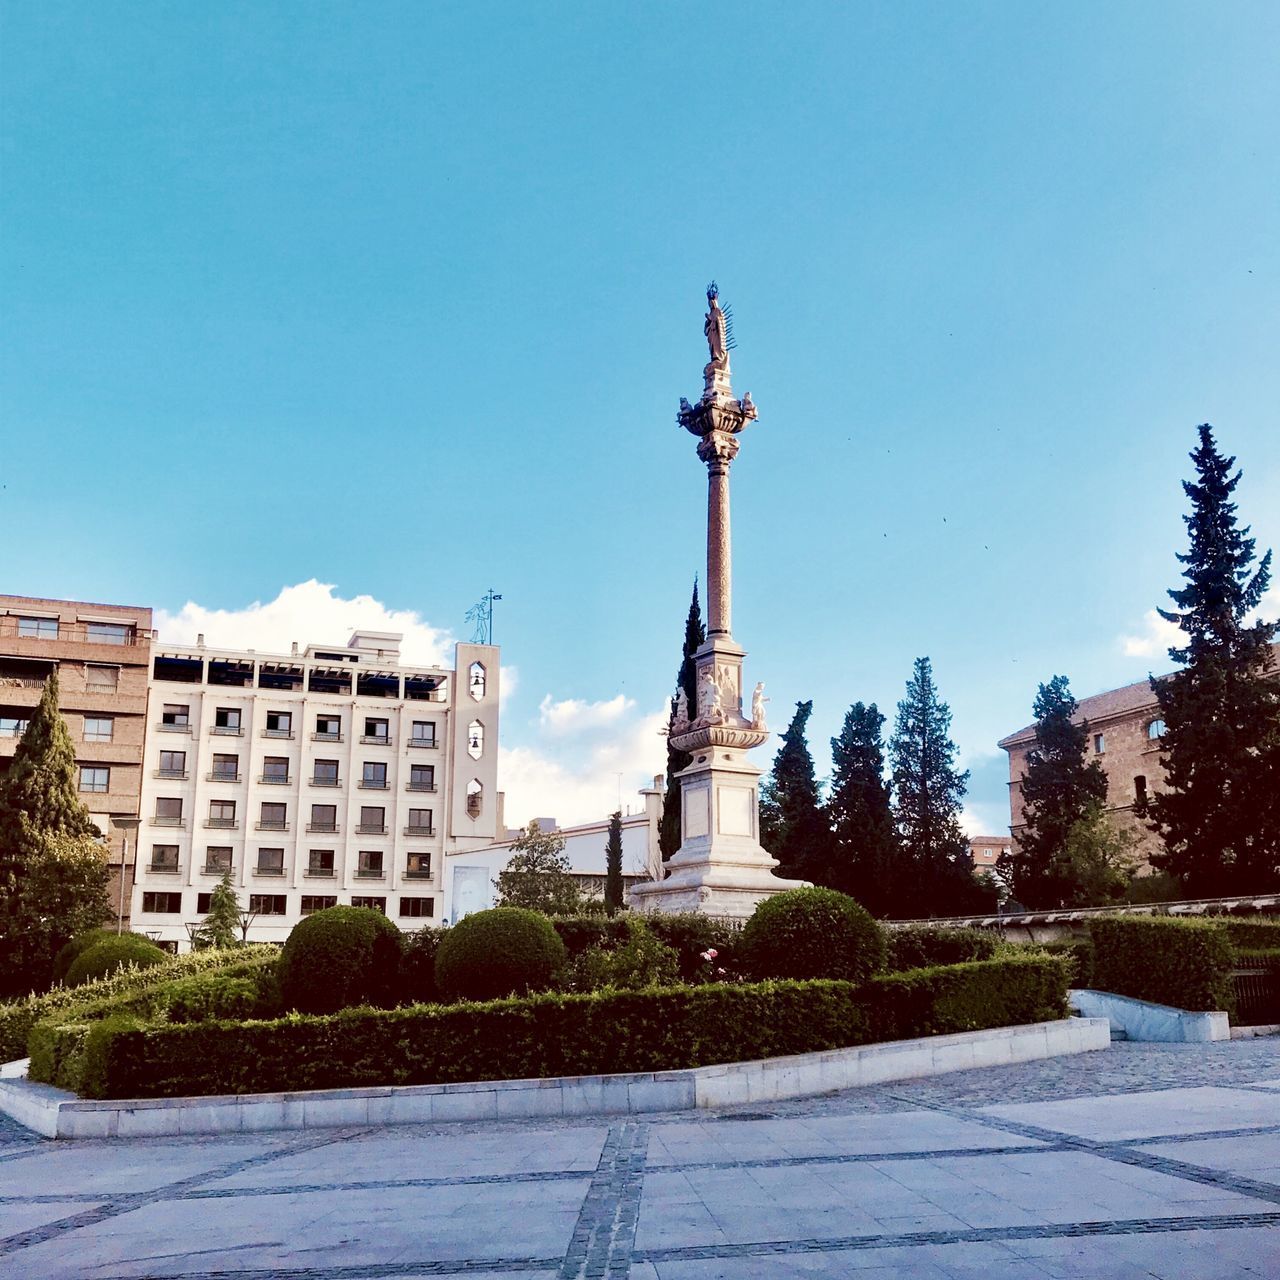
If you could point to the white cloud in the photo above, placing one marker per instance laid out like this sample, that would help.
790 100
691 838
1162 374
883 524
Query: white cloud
984 820
1154 639
310 613
573 715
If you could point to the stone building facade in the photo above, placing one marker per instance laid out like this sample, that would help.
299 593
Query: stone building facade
332 776
101 653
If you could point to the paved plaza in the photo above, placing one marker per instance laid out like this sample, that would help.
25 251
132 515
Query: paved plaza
1137 1161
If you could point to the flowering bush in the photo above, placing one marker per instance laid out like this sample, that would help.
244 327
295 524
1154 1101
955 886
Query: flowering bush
641 961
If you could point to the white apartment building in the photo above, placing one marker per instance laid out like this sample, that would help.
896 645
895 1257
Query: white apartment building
335 776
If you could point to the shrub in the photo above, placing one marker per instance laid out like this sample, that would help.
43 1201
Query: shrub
212 996
1080 952
1253 934
549 1034
640 961
109 954
1183 963
68 954
812 933
497 953
418 967
919 947
339 957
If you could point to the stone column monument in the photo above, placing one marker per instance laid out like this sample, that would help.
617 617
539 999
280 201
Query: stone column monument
720 868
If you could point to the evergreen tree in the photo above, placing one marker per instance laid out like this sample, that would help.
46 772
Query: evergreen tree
792 825
1218 815
1097 860
221 927
695 633
936 867
44 826
538 875
613 865
1058 789
863 849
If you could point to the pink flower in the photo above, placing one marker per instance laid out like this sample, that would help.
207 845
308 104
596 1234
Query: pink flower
710 953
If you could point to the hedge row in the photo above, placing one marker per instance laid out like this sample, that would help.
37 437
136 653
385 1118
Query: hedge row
1178 962
920 946
128 990
542 1035
1258 934
689 934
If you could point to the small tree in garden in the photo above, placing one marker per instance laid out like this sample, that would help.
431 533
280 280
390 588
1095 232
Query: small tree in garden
687 680
613 865
538 876
792 825
221 927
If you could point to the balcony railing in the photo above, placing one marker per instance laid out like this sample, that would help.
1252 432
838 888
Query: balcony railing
216 869
179 775
268 871
373 784
365 830
326 737
77 632
161 727
419 786
326 782
158 821
419 831
322 828
163 868
370 873
423 742
20 682
219 776
227 730
319 873
272 824
275 780
222 824
278 733
417 873
376 739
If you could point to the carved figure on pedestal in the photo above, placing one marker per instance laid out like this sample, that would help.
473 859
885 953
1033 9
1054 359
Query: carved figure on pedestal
710 700
757 707
714 326
726 679
682 709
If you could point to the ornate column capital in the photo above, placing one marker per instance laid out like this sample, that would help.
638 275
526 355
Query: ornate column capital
718 447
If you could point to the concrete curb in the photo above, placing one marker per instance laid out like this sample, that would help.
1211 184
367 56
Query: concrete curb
1142 1020
55 1113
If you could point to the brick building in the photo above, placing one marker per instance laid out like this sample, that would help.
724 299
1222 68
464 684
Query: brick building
986 851
101 653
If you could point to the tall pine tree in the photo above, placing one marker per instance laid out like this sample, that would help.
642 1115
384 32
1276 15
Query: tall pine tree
1059 790
687 679
936 868
613 865
1218 814
792 825
863 849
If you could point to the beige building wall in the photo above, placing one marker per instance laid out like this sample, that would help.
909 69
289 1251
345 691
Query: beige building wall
101 653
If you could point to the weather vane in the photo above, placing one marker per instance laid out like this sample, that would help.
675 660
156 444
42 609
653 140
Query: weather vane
480 615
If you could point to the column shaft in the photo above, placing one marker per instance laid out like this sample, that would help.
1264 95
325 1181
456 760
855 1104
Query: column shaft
719 551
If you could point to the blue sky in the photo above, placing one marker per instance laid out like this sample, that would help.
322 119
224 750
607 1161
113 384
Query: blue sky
402 298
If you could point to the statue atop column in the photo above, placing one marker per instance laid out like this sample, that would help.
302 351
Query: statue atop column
715 326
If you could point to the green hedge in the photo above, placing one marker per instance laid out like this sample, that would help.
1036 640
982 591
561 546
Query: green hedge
687 933
108 955
1178 962
125 991
542 1035
920 946
1080 951
1257 934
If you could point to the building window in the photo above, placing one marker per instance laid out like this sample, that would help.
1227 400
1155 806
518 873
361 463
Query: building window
329 728
38 628
275 769
370 904
271 862
370 862
274 817
320 862
1140 789
225 769
1099 743
102 679
108 633
424 734
173 764
162 904
376 730
280 724
227 720
324 817
374 776
95 777
419 823
475 798
419 867
1155 730
325 773
417 908
373 820
164 858
222 813
475 740
422 777
203 902
268 904
312 902
217 858
12 727
99 728
476 681
176 715
168 812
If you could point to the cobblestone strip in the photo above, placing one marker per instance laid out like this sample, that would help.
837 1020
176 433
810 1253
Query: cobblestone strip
605 1233
1123 1153
972 1235
126 1202
860 1157
370 1270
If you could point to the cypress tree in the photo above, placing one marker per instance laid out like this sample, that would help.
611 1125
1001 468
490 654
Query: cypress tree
1058 791
1218 815
221 926
792 825
936 867
695 633
863 846
613 865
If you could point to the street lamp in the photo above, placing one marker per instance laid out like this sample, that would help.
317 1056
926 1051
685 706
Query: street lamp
124 826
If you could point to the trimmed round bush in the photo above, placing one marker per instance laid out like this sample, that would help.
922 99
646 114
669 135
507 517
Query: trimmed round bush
340 957
501 952
111 953
71 951
812 933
